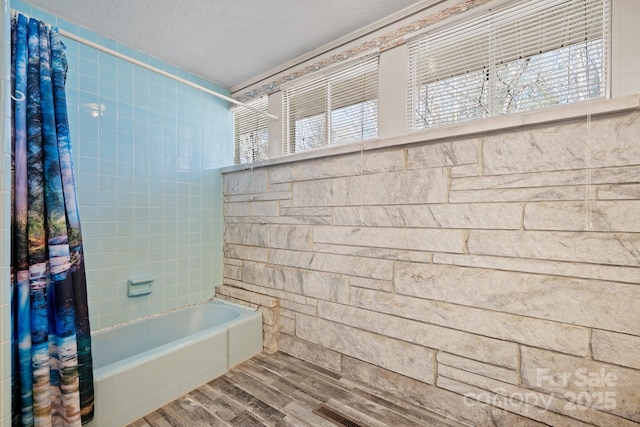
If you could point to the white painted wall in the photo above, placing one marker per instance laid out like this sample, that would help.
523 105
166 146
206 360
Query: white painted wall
392 103
625 57
275 126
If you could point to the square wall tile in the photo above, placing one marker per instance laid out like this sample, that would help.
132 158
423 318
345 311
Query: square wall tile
138 140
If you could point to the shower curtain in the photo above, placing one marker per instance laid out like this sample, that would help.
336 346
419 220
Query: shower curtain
52 376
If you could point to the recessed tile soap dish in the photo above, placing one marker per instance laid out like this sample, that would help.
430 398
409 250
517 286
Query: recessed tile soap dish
139 287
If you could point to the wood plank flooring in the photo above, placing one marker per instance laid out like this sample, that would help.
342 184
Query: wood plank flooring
282 391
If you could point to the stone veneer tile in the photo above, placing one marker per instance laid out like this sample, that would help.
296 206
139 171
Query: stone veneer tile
568 376
416 186
253 197
517 195
270 316
375 189
325 286
419 393
287 325
383 161
287 313
311 352
265 208
379 285
422 239
269 235
269 342
316 169
282 188
506 375
443 154
250 253
315 284
264 275
481 215
249 296
288 220
436 337
286 203
555 268
613 142
299 308
300 283
548 409
616 348
237 209
396 355
552 148
465 170
481 389
233 272
612 306
233 220
580 216
246 182
313 211
504 326
618 192
599 248
328 232
341 264
328 192
234 261
618 175
267 290
381 253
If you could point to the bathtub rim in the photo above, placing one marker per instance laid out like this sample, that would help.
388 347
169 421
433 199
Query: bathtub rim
175 345
117 403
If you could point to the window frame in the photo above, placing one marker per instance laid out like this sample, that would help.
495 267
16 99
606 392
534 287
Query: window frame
474 39
326 93
253 125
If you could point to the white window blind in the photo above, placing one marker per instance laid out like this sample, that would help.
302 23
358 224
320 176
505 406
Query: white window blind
251 132
523 56
336 107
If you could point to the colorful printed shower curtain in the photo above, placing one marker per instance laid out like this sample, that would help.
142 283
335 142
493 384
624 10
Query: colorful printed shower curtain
52 367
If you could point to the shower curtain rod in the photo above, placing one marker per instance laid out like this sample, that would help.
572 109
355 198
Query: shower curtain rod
161 72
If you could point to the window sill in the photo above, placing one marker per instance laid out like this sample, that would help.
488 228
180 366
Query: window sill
468 129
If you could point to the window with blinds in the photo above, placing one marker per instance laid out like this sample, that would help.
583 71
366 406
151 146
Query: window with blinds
524 56
336 107
251 132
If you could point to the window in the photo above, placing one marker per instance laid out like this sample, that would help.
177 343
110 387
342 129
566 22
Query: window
251 132
335 108
524 56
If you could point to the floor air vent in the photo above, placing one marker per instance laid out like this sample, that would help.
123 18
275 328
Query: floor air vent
336 417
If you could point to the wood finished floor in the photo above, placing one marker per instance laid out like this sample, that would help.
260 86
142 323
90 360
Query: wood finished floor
280 390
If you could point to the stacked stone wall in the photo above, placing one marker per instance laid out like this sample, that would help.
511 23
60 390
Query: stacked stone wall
493 277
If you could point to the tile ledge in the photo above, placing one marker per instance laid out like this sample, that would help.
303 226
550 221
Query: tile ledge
508 122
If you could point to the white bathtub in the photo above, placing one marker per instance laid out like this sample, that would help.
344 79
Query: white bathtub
142 365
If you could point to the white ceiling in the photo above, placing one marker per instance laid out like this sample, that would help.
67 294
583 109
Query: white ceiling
225 41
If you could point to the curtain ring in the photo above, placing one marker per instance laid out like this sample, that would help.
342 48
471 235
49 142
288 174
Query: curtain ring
21 96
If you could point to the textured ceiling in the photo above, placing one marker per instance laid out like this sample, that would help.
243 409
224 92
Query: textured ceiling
226 41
